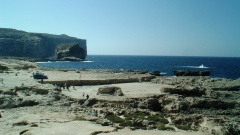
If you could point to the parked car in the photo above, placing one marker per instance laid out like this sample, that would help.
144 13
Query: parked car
40 75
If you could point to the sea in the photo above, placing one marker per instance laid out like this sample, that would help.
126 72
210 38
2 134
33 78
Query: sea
220 67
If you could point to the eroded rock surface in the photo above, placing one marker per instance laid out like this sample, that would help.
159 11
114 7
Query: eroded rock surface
107 90
193 104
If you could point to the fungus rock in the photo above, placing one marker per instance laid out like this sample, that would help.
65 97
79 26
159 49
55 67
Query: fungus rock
69 51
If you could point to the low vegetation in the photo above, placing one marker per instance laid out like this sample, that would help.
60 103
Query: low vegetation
146 116
136 119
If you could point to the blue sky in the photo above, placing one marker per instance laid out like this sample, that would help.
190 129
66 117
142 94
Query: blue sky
134 27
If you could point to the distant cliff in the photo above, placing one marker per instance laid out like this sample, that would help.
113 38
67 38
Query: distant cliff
36 45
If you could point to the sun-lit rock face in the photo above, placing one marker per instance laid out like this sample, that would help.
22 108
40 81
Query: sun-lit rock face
35 45
69 51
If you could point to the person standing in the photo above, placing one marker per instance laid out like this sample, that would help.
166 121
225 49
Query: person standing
2 80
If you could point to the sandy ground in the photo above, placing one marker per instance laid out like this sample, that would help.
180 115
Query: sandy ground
130 90
48 121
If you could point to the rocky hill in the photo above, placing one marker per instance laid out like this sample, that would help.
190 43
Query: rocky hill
35 45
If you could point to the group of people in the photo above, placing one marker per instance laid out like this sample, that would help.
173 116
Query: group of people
64 86
67 86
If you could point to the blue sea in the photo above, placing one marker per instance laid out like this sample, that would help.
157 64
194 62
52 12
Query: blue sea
220 67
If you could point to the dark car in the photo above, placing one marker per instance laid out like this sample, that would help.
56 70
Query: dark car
39 75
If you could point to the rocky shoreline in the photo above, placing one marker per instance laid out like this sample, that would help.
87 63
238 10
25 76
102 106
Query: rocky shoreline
118 102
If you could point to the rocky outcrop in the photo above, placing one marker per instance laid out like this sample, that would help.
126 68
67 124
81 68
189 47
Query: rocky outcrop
89 102
186 90
69 51
151 103
204 103
116 91
223 84
191 73
12 102
13 98
156 73
35 45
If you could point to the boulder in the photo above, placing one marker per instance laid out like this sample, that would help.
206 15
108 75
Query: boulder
151 103
191 73
90 102
69 51
28 103
3 67
110 90
7 102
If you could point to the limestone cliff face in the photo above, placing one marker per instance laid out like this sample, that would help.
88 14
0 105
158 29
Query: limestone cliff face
36 45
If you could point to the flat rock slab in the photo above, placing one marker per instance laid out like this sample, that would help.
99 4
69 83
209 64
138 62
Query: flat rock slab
130 90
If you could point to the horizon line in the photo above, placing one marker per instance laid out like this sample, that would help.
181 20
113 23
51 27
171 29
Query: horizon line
162 55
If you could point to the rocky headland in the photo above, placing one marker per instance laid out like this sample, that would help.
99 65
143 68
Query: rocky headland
114 102
69 52
18 43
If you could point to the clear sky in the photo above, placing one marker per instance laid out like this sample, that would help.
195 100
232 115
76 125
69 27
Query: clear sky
134 27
